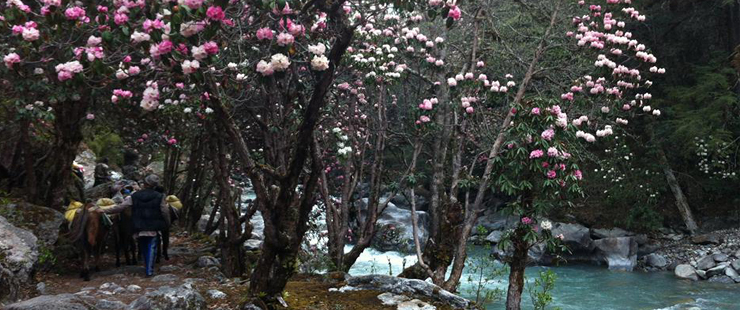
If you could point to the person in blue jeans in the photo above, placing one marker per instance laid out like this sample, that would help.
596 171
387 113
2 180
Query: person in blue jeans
150 214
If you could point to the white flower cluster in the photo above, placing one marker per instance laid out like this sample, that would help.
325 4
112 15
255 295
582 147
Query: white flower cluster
342 150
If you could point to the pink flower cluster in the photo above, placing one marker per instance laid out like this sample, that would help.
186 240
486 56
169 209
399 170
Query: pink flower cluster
76 13
67 70
11 59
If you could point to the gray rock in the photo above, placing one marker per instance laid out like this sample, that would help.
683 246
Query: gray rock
42 222
105 304
169 268
407 286
656 260
719 270
736 264
180 298
250 307
109 286
737 254
207 261
732 273
165 278
41 288
646 248
705 263
415 304
216 294
685 271
619 253
720 257
133 288
398 219
390 299
721 279
701 273
577 237
18 254
47 302
495 236
641 239
601 233
706 239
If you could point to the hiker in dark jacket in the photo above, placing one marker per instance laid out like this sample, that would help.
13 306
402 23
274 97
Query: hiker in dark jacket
150 214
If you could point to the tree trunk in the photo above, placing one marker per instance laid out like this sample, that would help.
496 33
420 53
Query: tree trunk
681 201
68 118
516 274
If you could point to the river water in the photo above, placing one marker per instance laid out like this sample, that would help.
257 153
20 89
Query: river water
581 287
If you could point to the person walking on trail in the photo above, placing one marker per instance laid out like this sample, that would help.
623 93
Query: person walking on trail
102 172
150 214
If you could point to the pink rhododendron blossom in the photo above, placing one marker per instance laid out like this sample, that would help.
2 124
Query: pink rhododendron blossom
454 13
215 13
552 152
65 71
30 34
536 111
548 134
211 47
536 154
150 98
424 119
264 34
75 13
526 220
90 116
11 59
189 67
264 68
551 174
192 4
284 39
578 174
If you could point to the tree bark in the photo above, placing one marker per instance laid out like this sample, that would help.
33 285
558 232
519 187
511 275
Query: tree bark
681 202
517 264
68 135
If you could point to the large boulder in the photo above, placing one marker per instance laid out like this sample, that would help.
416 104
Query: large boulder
705 262
576 236
706 239
492 220
620 253
685 271
495 236
184 297
396 231
43 222
600 233
397 285
56 302
18 254
656 260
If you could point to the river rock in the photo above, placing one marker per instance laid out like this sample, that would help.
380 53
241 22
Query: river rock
104 304
705 263
577 237
165 278
718 270
18 254
56 302
732 273
216 294
721 279
701 273
736 264
685 271
720 257
644 249
184 297
620 253
495 236
656 260
42 222
706 239
601 233
397 285
390 299
253 244
207 261
415 304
